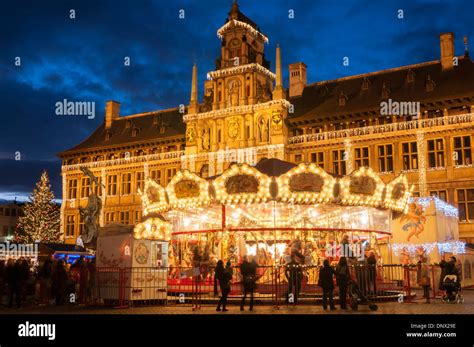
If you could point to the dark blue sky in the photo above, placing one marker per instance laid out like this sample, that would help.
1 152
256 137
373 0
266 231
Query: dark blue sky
82 59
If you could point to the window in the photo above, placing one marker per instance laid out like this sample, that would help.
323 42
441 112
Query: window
140 180
462 150
1 211
361 157
442 194
112 185
138 216
171 173
7 212
385 154
410 156
466 204
85 187
72 189
338 162
125 217
81 225
70 219
436 153
318 159
126 183
13 212
416 194
109 217
467 269
298 158
5 230
156 176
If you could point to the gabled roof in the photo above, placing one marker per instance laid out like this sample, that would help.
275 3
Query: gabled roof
149 127
322 99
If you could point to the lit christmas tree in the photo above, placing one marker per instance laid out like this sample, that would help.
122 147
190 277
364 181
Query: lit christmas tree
41 216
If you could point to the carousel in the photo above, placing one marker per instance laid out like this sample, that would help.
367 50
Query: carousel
270 211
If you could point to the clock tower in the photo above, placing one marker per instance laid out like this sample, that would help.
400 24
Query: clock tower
244 105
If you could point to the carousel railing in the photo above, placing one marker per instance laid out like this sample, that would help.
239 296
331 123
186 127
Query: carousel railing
195 287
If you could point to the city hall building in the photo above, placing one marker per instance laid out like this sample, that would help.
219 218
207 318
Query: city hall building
415 119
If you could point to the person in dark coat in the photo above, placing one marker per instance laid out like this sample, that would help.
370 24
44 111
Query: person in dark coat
248 271
343 278
223 275
45 275
24 277
449 268
326 281
2 280
60 278
372 272
294 275
13 277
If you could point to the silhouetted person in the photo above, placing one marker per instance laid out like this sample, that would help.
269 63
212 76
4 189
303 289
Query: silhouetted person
45 275
249 276
326 282
3 280
13 276
294 275
371 272
343 278
223 275
59 282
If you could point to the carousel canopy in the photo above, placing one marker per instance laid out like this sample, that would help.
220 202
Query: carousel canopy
278 181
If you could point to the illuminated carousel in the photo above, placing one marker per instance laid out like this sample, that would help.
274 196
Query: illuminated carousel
268 210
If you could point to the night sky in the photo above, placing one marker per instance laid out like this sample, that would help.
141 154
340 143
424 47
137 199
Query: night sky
82 59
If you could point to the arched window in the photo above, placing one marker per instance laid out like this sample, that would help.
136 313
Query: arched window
204 172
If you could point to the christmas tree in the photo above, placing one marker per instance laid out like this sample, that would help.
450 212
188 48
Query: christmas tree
41 216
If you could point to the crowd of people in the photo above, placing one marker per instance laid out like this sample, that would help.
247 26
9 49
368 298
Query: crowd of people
53 281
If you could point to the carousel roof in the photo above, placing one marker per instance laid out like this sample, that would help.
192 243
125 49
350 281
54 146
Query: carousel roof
276 180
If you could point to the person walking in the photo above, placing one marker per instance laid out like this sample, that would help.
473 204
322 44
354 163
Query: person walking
343 278
294 275
248 271
326 282
223 275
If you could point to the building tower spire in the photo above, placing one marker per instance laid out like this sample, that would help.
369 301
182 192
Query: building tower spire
279 91
193 102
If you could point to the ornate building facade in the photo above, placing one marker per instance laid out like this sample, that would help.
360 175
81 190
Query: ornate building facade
416 119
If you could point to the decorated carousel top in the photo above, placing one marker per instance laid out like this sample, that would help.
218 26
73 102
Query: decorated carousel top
277 181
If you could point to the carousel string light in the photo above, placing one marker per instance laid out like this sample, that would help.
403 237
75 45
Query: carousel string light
153 229
153 197
455 247
201 198
440 205
286 194
348 198
400 204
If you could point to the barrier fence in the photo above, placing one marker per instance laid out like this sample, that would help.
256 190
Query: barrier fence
276 285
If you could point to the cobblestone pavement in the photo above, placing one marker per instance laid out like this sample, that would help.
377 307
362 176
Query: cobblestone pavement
415 307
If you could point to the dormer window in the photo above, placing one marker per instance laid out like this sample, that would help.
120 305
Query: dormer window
385 91
430 84
162 129
108 135
365 84
156 119
135 132
128 124
342 99
410 76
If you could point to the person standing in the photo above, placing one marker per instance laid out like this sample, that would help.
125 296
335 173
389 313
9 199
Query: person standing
343 278
326 282
248 271
294 275
13 276
372 272
2 280
59 282
45 275
223 275
425 280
